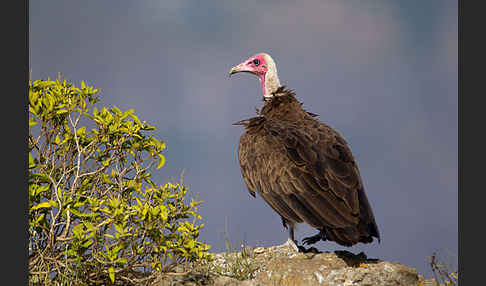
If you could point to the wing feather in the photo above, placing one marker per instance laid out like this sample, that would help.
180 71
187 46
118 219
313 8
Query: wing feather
316 151
304 173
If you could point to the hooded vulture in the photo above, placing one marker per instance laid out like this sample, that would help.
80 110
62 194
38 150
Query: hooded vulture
301 167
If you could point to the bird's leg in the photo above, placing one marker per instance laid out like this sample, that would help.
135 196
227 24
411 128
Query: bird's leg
284 222
290 227
291 232
315 238
291 240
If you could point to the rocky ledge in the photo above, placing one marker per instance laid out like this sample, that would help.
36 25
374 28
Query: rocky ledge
282 265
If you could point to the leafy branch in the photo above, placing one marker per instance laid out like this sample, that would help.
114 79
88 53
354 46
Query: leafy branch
94 212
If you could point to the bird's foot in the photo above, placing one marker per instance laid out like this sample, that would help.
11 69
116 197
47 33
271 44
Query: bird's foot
299 248
293 244
310 250
313 239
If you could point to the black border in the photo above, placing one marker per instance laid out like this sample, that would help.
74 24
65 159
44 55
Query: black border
471 122
14 202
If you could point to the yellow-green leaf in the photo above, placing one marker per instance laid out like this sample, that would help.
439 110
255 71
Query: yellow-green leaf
119 228
116 110
161 162
42 189
111 273
31 161
54 204
33 109
164 213
41 205
135 118
40 218
32 122
81 131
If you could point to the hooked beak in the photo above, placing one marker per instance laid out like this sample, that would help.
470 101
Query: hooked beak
240 68
232 71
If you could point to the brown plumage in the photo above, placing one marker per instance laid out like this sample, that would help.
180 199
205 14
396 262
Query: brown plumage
305 171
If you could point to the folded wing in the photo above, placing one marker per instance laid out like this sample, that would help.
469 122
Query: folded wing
307 174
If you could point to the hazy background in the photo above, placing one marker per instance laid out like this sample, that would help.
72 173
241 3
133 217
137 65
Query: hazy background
382 73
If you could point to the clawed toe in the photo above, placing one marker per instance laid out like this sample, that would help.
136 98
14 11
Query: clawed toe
313 239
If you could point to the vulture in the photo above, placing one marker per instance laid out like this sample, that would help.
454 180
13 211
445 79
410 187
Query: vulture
302 168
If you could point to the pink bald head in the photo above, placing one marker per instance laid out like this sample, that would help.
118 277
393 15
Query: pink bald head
256 65
263 66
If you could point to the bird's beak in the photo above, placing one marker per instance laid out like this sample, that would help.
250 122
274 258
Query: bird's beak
241 68
233 70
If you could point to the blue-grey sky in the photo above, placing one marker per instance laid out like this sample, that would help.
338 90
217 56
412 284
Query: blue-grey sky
382 73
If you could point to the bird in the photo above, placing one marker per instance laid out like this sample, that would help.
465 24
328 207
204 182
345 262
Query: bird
301 167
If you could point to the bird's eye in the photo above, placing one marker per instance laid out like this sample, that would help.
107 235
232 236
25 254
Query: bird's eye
256 62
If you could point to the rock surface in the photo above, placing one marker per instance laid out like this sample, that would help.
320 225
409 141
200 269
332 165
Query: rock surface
282 265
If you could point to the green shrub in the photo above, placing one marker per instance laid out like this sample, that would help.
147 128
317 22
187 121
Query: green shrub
95 215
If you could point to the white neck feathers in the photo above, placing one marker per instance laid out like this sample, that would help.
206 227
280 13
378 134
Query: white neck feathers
272 83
